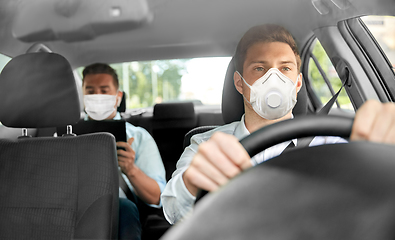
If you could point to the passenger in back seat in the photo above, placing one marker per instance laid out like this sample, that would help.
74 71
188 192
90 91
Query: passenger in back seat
141 164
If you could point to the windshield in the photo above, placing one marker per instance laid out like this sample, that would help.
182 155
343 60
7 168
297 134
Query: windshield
149 82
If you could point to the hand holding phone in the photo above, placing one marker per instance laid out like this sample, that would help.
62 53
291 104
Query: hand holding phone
127 156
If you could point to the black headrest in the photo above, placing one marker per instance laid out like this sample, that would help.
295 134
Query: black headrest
38 90
233 104
179 115
122 105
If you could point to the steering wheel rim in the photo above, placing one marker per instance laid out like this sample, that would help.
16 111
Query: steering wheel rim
304 126
300 127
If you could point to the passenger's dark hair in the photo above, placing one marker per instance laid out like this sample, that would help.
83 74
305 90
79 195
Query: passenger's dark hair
98 68
263 33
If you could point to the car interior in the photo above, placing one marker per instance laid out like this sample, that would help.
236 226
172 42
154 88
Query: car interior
56 184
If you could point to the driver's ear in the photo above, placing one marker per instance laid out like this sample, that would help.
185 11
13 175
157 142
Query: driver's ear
119 98
299 82
238 82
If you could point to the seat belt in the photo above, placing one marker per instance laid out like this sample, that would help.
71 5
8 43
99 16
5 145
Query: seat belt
325 110
125 188
305 142
301 143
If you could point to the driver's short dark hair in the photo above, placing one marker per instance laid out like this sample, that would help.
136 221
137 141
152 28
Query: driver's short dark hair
263 33
98 68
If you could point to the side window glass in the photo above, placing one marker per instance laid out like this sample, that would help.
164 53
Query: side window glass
3 61
147 83
324 80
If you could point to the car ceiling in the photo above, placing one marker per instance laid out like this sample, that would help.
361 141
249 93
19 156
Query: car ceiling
183 28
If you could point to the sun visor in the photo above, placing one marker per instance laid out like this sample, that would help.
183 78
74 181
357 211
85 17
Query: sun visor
77 20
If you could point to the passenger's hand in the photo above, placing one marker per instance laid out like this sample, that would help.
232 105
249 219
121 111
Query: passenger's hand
218 160
126 157
375 121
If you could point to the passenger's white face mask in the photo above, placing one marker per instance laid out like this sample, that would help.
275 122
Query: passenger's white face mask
99 106
273 95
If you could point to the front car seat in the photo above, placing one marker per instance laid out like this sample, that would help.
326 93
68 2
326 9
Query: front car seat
52 187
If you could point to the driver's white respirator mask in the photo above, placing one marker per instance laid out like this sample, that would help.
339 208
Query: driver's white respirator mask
99 106
273 95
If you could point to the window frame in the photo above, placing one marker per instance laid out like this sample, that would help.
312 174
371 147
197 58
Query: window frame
372 57
310 56
347 63
315 103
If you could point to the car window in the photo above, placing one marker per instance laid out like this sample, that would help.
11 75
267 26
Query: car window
323 78
3 61
383 30
149 82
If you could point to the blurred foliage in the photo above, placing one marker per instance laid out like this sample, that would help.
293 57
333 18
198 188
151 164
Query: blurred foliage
151 82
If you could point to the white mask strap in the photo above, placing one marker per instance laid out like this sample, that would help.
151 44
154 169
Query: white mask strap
244 80
247 85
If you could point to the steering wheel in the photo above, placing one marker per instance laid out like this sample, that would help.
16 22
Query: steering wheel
304 126
300 127
323 192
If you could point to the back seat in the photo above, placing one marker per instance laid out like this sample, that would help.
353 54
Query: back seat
171 121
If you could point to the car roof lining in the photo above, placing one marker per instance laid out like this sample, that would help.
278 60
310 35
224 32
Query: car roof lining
215 34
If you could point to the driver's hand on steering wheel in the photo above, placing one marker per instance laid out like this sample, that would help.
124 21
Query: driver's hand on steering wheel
217 161
222 157
374 121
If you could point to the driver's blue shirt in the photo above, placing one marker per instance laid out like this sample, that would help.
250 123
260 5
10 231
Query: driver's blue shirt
178 201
